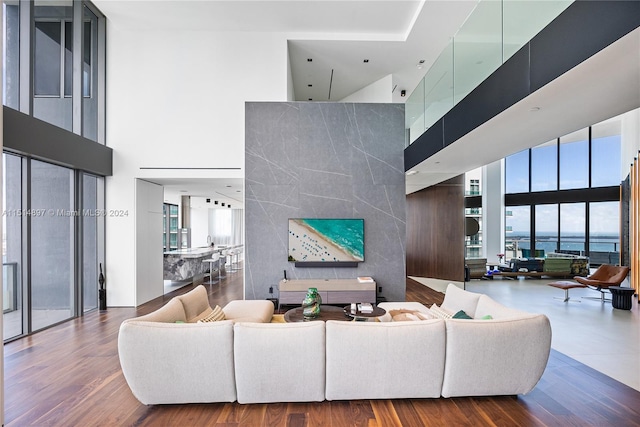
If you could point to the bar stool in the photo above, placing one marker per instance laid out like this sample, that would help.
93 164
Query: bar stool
234 252
238 253
212 268
222 271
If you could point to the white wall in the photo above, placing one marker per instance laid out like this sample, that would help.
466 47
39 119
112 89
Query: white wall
493 210
175 99
199 221
376 92
148 241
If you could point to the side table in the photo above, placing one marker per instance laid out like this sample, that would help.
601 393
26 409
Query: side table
621 297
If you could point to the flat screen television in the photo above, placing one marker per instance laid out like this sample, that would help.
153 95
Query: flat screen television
326 242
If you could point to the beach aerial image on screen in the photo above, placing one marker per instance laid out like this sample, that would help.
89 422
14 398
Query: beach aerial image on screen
330 240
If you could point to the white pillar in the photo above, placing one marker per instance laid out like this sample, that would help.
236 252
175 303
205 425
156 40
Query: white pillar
493 210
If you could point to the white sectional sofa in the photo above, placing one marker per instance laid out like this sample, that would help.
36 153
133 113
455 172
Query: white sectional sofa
168 358
229 360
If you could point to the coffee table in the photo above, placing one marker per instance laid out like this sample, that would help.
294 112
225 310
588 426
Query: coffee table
327 312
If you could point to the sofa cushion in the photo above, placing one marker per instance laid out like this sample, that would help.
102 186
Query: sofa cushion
259 311
401 305
215 315
456 299
402 315
439 312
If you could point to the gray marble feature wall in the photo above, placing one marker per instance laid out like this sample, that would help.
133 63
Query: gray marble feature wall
324 160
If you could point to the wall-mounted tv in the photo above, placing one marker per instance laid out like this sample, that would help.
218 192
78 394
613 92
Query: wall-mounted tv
326 242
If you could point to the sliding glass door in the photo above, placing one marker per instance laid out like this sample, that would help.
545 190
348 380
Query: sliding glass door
51 244
12 260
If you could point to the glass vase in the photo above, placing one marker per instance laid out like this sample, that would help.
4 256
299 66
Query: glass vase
311 304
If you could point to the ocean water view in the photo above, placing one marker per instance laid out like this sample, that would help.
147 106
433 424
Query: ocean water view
598 242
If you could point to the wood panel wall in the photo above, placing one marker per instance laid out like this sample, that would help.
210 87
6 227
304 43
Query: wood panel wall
435 231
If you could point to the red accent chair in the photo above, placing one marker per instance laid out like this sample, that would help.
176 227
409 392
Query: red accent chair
606 275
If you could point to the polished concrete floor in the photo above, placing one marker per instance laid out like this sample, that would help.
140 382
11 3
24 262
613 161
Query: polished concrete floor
593 333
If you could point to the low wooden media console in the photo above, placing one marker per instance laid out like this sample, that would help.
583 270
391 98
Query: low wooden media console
332 291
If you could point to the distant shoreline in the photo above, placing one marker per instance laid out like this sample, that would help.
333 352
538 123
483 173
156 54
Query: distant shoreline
305 244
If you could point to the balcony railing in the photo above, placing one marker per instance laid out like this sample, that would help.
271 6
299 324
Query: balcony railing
492 33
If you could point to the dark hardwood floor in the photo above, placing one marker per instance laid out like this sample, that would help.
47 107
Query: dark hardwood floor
69 375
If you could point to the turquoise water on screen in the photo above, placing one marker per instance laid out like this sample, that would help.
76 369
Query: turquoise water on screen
346 233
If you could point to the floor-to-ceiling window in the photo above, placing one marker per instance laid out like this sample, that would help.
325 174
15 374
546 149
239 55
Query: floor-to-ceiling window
570 187
53 214
51 244
12 257
90 218
53 225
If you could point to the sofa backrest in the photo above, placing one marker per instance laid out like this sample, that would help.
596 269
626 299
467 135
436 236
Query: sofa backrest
195 302
456 299
167 363
171 312
385 360
489 307
279 362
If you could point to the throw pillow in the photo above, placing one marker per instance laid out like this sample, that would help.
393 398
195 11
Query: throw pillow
216 314
400 315
461 315
440 312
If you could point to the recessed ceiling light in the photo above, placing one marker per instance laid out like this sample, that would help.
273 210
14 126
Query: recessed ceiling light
228 186
420 64
309 85
409 173
366 61
309 59
533 109
310 99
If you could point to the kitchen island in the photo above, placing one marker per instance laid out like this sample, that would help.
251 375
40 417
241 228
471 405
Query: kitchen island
187 264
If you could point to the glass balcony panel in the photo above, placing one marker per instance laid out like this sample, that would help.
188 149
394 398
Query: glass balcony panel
414 113
523 19
438 87
477 48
